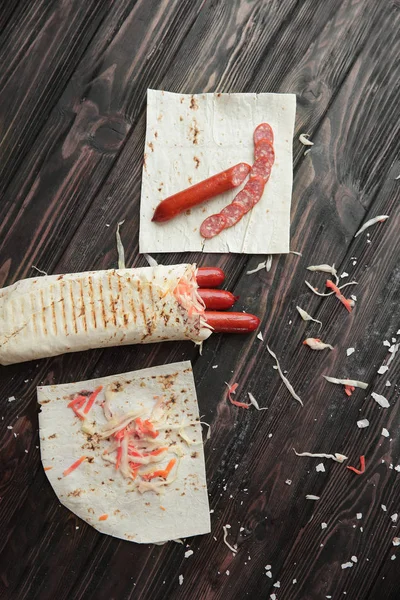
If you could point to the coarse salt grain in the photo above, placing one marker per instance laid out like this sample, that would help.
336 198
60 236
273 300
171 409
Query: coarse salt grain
362 423
383 507
359 515
354 559
320 468
288 481
188 553
347 565
180 579
396 541
394 517
324 525
385 432
350 351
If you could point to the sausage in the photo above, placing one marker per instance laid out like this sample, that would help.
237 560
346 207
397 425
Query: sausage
232 214
217 299
255 187
244 199
212 226
261 168
209 277
232 322
200 192
263 132
264 149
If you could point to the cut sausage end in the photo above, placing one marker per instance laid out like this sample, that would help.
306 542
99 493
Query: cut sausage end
212 226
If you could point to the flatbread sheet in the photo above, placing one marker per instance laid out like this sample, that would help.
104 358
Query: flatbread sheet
96 489
190 137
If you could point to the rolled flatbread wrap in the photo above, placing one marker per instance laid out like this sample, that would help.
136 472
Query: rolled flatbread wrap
55 314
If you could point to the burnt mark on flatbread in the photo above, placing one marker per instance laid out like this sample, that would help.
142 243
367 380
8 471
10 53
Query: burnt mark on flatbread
75 493
103 308
190 180
182 99
193 104
194 455
197 161
71 295
150 145
156 134
167 381
83 311
43 311
91 301
60 277
194 132
181 118
52 437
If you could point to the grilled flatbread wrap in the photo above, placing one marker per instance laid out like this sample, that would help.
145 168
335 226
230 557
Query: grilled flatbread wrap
52 315
119 484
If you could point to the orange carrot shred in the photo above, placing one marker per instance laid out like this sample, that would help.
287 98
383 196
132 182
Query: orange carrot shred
74 465
161 473
91 400
76 404
349 389
362 469
103 517
232 390
47 468
119 456
338 294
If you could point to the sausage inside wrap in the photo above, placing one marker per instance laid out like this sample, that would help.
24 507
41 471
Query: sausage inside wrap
51 315
125 453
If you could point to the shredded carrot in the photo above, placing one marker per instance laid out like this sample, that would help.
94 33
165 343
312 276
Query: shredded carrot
156 452
150 428
349 389
47 468
232 390
119 456
339 295
120 434
103 517
76 404
161 473
74 466
91 400
362 469
162 508
145 428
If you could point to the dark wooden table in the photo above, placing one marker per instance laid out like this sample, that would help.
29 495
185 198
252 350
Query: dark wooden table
73 85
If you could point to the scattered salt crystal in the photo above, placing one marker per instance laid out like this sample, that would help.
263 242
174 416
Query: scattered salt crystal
354 263
324 525
227 572
180 579
382 369
214 367
343 275
268 567
388 384
278 583
393 340
236 466
347 565
385 432
273 596
383 507
9 426
294 581
393 557
188 553
359 515
312 497
350 351
353 297
354 559
11 399
396 541
211 511
392 348
381 400
288 481
320 468
397 468
386 343
394 517
270 435
362 423
361 529
26 451
15 434
77 527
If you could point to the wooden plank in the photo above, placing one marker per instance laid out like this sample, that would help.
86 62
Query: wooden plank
38 55
9 15
88 128
256 454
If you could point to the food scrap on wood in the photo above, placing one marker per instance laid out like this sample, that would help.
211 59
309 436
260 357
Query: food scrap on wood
316 344
361 470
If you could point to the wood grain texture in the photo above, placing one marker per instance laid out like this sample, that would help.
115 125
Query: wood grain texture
71 184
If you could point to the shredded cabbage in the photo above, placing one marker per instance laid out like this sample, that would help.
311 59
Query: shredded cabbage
306 317
120 248
284 379
351 382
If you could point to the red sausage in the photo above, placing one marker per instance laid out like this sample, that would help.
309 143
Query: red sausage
232 214
209 277
263 132
263 149
212 226
261 168
244 199
213 186
255 186
232 322
217 299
